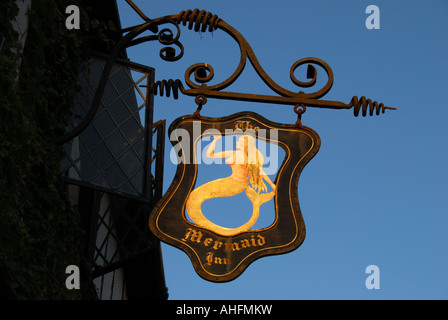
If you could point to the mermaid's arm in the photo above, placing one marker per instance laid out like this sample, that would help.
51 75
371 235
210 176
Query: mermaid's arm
211 150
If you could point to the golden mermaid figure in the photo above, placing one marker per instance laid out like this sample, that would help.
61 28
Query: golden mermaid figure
247 175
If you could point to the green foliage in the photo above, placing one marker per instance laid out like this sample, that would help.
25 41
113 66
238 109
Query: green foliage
40 233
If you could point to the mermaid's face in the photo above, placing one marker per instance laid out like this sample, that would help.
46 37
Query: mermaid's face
240 144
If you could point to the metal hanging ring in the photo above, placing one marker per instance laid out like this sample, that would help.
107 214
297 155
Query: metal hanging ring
200 101
299 109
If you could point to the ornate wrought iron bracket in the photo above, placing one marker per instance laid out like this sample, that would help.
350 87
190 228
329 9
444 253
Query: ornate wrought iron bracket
201 21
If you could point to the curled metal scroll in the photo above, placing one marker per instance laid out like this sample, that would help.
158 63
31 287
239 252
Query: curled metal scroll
201 21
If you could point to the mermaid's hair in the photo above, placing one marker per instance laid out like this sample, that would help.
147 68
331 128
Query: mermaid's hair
253 160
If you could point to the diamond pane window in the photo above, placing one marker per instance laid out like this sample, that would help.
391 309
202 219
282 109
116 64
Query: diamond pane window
111 152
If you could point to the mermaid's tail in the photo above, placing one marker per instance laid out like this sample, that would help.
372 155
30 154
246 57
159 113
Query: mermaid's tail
225 187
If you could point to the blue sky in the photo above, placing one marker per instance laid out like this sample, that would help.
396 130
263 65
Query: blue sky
376 193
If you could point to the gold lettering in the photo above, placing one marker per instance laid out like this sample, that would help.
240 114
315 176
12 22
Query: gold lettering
217 245
245 125
238 125
261 241
195 236
252 240
207 241
244 243
209 259
231 246
187 234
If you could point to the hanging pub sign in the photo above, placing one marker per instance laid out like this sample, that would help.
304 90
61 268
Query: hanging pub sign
183 216
219 253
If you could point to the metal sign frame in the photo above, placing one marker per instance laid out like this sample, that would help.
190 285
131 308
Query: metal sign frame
223 258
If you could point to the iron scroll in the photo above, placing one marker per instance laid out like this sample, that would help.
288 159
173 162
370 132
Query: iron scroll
201 21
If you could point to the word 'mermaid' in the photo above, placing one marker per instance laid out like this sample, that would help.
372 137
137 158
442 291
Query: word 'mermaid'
197 236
